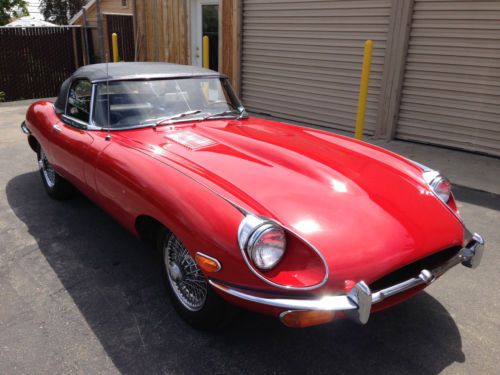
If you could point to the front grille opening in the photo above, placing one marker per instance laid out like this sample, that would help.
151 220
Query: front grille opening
413 269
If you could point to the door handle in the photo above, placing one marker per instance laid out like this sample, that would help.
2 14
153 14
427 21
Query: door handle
56 128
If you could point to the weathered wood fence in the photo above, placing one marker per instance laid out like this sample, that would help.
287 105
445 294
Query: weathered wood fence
34 61
124 27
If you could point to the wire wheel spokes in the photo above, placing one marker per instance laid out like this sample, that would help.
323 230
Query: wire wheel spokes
185 277
48 172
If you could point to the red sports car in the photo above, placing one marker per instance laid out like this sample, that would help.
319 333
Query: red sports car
298 223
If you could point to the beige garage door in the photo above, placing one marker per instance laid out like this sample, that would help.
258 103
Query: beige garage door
451 92
301 60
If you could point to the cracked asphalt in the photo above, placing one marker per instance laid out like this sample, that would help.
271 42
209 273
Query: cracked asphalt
78 294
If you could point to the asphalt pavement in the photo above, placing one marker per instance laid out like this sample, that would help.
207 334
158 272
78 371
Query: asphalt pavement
78 294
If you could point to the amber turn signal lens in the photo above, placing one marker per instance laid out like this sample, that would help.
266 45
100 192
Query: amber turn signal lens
302 319
206 263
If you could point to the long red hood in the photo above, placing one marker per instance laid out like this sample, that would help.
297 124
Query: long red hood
354 202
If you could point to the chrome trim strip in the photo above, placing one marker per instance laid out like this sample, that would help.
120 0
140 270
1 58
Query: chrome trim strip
158 77
358 302
24 128
429 175
425 277
339 302
219 266
92 124
473 253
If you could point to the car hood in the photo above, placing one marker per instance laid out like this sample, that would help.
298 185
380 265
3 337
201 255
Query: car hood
356 203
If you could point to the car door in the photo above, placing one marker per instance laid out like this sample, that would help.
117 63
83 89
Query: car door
71 138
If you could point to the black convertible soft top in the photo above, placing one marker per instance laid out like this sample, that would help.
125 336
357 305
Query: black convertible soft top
129 71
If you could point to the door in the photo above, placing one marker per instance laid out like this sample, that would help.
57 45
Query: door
301 59
205 22
451 87
70 141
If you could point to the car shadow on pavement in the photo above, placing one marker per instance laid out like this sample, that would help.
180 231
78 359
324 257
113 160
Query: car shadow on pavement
477 197
115 282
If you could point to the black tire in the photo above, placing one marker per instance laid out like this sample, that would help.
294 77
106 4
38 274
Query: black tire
214 312
56 186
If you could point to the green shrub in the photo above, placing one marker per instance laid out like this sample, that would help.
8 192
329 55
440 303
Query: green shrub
2 96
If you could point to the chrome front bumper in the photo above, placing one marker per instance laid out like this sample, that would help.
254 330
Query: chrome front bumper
358 302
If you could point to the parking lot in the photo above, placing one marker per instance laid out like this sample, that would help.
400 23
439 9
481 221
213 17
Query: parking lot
78 294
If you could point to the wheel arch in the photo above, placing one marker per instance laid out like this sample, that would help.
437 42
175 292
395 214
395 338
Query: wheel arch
33 142
147 228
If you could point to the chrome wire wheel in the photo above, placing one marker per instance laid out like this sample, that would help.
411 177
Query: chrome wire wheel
48 172
186 279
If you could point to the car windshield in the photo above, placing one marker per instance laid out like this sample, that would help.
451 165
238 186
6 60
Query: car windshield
152 102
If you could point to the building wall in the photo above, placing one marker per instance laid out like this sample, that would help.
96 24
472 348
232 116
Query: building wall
435 61
163 32
107 7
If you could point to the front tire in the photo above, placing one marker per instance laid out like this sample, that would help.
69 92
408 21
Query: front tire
187 287
56 186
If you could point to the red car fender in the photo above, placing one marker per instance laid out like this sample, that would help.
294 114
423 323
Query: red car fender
201 219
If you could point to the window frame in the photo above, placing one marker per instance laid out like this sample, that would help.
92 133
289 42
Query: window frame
224 82
73 121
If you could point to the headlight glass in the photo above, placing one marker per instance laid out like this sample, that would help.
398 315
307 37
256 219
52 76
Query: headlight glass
263 241
442 187
267 246
439 184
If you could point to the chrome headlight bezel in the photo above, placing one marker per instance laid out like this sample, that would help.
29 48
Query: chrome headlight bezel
251 230
435 186
434 179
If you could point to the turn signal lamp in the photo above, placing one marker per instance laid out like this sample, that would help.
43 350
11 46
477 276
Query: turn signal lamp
206 263
302 319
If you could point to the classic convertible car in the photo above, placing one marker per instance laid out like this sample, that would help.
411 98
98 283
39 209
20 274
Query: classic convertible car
299 223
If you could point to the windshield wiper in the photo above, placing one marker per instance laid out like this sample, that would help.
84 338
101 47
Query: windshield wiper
222 114
176 117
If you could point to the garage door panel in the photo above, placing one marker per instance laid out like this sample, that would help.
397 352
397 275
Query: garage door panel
308 5
453 103
314 83
317 100
457 70
447 77
451 87
303 55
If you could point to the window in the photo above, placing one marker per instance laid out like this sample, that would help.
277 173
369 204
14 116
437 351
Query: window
78 105
144 103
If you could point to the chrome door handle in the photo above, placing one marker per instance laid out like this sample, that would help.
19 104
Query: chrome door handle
56 128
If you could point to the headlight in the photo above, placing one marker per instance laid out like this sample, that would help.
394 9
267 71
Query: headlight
263 241
442 187
439 184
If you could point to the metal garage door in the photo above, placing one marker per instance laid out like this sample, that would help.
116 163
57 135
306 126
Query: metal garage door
301 60
451 91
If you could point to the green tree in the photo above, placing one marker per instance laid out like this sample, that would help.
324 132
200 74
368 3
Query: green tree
12 9
60 11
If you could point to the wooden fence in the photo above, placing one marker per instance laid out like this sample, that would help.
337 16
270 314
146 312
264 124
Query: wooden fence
34 61
124 27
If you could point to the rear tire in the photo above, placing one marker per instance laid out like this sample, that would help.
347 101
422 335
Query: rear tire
188 289
56 186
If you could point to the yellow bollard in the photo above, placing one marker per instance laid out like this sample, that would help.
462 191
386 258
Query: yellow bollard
114 40
206 49
363 89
